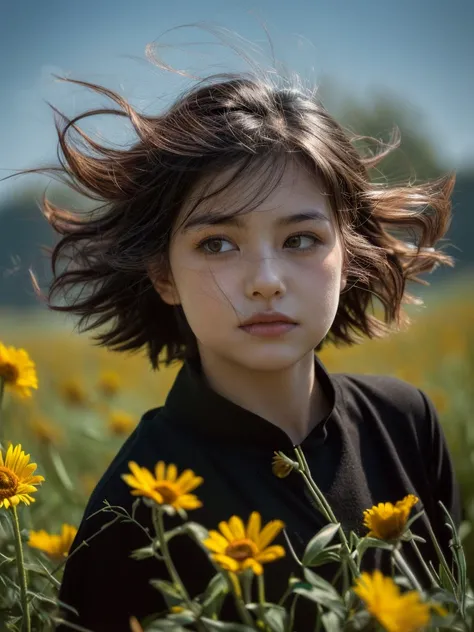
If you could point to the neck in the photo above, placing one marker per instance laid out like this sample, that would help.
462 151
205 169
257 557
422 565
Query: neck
290 399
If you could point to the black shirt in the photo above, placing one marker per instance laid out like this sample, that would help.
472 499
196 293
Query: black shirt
380 441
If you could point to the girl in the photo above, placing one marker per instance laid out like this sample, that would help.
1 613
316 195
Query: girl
239 234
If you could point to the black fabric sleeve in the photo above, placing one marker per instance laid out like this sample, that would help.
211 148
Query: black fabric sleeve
103 583
445 487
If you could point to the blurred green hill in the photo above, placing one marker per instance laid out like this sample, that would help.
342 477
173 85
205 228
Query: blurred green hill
23 230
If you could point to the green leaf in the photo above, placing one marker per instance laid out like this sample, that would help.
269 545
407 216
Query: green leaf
325 557
227 627
353 540
143 553
147 551
369 542
320 596
277 618
197 531
413 518
319 542
359 621
331 622
318 582
170 592
182 618
214 595
444 579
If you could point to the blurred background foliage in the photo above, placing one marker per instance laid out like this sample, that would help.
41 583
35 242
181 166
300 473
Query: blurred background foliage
89 400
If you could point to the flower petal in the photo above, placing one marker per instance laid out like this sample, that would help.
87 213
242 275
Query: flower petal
253 526
172 473
237 527
269 533
228 563
271 553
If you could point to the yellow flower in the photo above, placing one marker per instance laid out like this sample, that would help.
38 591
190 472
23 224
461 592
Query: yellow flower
387 521
73 392
109 383
45 431
17 370
396 612
281 467
237 548
121 423
165 488
56 546
16 480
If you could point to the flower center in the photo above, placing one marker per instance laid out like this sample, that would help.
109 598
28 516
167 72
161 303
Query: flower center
241 549
9 372
168 491
8 483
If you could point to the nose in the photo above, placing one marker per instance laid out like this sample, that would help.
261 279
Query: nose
264 278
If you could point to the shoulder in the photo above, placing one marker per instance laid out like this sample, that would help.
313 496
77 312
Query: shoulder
387 398
384 390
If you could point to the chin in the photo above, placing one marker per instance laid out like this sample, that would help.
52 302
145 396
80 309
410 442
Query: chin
276 359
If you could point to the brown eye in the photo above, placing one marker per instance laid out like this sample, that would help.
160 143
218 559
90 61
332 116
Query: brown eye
295 242
214 245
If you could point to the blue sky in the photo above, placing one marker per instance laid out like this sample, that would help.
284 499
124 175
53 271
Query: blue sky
421 50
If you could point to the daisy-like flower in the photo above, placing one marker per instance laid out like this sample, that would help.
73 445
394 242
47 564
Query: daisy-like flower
56 546
46 431
237 547
16 479
282 466
73 392
17 370
165 488
387 521
109 383
395 611
121 423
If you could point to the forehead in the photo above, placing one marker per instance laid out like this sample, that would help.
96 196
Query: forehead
278 186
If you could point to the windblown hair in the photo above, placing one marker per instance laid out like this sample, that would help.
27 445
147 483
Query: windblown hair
240 122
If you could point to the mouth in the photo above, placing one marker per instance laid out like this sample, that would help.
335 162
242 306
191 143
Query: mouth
269 329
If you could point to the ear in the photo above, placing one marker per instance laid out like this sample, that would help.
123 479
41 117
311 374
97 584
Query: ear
164 286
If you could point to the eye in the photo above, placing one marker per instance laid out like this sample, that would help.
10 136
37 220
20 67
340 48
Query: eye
295 240
212 245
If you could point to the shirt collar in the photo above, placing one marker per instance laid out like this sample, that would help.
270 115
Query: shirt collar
193 404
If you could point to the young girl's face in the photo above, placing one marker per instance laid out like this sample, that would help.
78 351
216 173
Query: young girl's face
269 259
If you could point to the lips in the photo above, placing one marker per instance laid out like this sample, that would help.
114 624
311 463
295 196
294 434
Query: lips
268 318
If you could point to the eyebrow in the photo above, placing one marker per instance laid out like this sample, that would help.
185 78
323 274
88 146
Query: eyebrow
217 219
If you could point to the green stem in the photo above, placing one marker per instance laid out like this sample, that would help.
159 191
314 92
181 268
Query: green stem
425 566
313 488
157 515
291 618
261 599
240 605
325 507
26 623
400 560
442 559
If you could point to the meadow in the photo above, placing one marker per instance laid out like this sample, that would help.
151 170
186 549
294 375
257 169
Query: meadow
89 400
